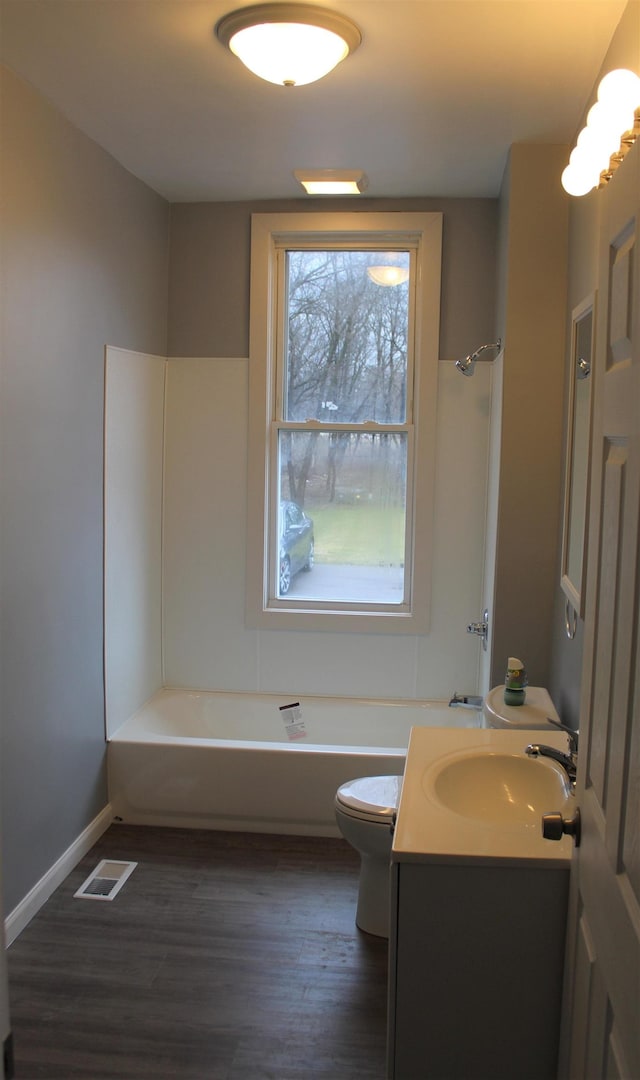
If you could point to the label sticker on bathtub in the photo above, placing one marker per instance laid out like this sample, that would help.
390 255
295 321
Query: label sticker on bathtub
293 722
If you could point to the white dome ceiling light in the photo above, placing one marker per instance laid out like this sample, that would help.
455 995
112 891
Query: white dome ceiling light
288 44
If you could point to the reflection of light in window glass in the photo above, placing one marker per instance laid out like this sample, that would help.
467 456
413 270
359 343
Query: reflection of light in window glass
351 487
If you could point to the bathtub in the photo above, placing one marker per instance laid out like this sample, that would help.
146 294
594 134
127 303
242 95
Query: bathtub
258 762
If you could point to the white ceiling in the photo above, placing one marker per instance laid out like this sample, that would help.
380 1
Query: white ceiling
428 105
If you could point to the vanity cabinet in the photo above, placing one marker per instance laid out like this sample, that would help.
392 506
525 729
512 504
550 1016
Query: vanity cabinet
476 944
476 961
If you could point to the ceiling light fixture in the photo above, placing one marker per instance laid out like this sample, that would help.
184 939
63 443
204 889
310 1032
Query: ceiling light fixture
288 44
332 181
613 125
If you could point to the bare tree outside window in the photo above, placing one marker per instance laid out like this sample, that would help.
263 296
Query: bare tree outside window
346 354
341 448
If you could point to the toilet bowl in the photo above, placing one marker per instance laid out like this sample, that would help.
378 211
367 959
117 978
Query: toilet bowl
365 813
535 713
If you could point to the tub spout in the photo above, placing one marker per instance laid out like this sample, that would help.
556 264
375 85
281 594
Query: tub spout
465 701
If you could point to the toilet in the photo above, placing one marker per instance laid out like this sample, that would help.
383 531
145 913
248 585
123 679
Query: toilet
365 813
534 714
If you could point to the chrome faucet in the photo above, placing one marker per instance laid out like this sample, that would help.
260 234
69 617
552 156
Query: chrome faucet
572 735
568 761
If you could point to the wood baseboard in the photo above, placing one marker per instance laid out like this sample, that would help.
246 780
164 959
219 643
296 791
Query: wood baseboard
22 914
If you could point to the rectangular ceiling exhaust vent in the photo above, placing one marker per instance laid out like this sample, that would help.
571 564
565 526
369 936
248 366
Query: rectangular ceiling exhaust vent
105 882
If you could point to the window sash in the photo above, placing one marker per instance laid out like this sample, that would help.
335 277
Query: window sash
295 603
279 423
349 243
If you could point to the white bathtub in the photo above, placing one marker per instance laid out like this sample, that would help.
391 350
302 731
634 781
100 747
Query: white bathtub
230 761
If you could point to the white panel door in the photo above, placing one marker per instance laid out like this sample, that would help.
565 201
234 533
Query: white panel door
601 1036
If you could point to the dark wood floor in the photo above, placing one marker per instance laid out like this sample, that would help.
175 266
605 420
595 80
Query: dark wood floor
225 956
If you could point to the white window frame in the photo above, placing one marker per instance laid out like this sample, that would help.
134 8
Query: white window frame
270 233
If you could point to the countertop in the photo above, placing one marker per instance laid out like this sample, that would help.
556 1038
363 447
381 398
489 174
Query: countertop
427 831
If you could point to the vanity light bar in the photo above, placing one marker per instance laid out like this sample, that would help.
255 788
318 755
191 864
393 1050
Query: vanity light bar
613 125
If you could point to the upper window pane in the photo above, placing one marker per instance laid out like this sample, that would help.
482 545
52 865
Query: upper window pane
347 319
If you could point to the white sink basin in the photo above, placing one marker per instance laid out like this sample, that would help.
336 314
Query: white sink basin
473 797
498 788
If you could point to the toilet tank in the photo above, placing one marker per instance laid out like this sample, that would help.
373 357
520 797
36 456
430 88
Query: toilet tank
533 714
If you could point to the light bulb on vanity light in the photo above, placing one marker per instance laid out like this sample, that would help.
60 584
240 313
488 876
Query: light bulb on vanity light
620 89
610 119
602 134
581 174
591 155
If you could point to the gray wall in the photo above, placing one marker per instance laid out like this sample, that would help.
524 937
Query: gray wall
209 273
5 1019
532 305
85 255
566 655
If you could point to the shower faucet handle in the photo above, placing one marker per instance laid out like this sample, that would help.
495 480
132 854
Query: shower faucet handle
481 628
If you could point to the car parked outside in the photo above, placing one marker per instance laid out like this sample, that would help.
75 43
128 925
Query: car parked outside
296 544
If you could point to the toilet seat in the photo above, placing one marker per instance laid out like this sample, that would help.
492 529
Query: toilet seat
370 798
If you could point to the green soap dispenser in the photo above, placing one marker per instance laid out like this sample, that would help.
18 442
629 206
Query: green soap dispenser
515 682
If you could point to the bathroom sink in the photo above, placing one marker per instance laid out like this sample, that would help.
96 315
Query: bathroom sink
497 788
473 797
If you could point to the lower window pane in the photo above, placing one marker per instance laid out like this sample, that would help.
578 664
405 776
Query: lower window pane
342 516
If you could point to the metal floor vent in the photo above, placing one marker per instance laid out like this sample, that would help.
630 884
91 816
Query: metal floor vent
105 882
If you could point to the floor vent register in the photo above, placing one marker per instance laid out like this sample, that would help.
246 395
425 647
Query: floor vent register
105 882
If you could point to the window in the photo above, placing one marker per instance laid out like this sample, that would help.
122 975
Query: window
343 379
